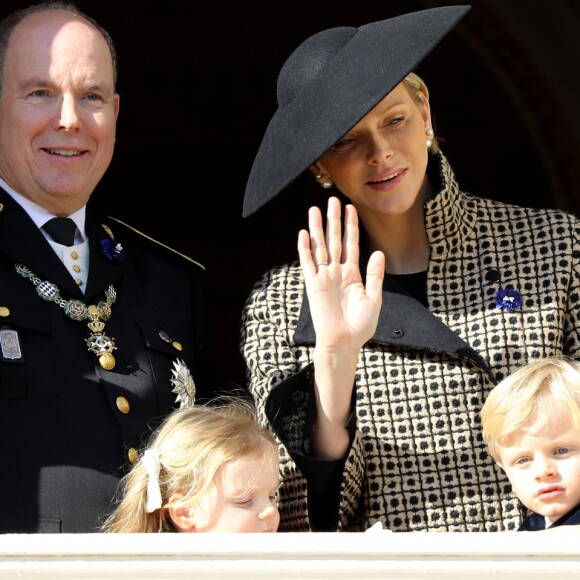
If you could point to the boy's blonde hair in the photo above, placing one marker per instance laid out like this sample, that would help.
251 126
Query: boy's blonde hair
529 398
192 443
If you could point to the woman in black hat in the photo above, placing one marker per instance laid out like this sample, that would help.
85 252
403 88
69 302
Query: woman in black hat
374 385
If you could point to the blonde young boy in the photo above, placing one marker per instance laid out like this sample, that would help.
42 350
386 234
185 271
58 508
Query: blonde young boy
531 425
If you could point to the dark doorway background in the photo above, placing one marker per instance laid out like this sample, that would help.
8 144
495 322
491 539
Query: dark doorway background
198 81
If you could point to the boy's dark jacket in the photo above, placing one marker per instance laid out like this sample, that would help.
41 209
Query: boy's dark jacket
536 522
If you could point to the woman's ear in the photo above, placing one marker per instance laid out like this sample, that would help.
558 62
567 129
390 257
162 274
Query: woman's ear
425 110
315 170
182 515
319 173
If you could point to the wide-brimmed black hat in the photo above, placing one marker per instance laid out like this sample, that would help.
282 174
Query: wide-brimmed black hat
330 82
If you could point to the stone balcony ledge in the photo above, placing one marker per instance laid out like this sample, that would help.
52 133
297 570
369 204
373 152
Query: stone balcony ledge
293 556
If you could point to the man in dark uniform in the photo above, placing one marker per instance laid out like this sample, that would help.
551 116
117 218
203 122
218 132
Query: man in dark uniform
101 335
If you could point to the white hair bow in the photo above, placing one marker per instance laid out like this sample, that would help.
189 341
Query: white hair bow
152 465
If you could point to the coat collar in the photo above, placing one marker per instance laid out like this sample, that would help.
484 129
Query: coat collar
23 242
450 215
405 323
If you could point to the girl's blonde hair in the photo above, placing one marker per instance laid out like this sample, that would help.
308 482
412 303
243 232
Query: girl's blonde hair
192 443
530 398
415 85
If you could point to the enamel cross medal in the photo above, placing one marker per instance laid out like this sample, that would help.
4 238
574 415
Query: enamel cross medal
98 342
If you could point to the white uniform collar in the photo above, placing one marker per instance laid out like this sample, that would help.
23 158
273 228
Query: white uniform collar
40 216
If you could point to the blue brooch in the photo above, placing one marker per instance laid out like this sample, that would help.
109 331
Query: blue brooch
508 300
113 250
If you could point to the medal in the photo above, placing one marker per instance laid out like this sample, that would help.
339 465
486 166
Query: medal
107 361
98 342
183 383
10 345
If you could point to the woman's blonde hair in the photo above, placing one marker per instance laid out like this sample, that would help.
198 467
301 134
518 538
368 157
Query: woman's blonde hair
192 443
416 86
529 398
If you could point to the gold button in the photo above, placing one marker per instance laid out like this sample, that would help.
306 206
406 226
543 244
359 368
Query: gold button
133 455
123 405
74 255
79 281
4 312
76 268
177 345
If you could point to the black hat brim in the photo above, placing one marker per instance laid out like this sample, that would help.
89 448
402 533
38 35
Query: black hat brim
368 66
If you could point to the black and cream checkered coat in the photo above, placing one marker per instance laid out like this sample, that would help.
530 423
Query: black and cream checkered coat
417 460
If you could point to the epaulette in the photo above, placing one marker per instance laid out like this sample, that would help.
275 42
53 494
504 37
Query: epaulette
149 238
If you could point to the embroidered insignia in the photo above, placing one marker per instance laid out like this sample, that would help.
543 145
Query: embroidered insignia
108 230
112 249
10 344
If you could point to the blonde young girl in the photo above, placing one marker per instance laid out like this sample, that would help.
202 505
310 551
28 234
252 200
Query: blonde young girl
206 469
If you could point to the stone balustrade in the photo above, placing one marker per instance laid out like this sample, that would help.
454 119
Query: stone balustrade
545 555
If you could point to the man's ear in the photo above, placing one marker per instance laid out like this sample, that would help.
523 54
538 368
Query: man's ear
182 516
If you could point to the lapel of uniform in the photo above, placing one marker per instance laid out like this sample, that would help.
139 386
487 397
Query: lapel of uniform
25 244
403 322
102 270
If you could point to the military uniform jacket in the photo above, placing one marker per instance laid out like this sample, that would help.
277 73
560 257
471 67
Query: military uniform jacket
417 460
67 426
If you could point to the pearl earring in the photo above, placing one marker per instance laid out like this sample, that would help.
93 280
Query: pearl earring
327 183
429 133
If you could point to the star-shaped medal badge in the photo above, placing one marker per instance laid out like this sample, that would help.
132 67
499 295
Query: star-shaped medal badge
183 384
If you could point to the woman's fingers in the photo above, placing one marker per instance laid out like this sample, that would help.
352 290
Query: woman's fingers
305 253
316 247
319 247
317 237
334 230
350 243
344 308
375 275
